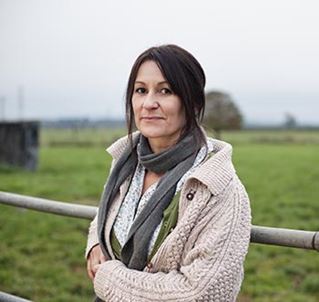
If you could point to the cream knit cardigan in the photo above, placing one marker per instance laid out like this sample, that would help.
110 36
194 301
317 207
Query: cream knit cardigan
202 258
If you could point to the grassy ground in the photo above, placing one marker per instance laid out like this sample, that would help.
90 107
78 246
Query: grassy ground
281 181
41 255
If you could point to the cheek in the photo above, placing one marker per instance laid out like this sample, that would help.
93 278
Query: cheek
134 112
180 118
135 106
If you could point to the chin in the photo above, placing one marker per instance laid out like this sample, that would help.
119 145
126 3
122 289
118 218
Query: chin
152 133
159 133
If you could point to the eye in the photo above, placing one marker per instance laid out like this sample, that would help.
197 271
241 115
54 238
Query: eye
166 91
140 90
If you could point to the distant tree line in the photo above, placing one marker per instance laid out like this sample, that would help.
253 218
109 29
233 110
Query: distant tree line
78 123
221 113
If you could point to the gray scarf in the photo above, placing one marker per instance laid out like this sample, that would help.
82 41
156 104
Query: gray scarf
174 162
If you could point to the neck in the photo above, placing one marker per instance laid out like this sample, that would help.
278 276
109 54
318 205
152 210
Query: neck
159 144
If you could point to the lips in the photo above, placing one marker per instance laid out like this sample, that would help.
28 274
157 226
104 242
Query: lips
150 118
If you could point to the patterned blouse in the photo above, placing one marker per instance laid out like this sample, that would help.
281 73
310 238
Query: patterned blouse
134 201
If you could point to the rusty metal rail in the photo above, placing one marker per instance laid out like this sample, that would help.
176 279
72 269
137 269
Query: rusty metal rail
259 234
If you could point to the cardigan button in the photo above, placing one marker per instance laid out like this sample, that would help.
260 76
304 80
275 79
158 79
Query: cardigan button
190 196
149 265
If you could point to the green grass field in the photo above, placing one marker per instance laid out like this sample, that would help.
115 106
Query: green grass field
42 255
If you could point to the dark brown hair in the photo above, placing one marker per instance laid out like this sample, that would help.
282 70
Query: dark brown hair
185 77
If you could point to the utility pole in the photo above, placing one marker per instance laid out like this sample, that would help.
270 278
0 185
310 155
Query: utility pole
21 102
2 107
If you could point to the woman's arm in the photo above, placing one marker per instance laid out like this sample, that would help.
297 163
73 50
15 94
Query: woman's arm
94 259
212 270
92 239
94 255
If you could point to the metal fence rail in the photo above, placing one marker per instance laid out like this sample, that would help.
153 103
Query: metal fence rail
4 297
48 206
259 234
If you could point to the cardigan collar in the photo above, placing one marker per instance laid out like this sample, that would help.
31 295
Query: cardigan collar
217 171
118 147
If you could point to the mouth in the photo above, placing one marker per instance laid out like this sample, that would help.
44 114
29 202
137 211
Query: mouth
151 118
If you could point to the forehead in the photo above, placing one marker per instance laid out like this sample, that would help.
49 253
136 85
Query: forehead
149 71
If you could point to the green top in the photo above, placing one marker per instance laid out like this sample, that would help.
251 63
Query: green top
169 222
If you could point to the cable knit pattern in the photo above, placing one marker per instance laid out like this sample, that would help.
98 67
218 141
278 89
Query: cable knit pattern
202 258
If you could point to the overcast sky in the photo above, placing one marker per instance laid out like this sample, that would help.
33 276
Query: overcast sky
71 58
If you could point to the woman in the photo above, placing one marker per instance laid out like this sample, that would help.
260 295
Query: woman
174 219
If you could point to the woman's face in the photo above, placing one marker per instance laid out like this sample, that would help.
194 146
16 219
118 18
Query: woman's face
158 112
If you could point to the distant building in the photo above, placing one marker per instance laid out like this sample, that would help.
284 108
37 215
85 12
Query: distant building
19 142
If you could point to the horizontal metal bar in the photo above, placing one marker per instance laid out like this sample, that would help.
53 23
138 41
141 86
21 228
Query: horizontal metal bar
285 237
259 234
4 297
49 206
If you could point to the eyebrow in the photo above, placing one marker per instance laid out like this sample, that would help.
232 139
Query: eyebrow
159 83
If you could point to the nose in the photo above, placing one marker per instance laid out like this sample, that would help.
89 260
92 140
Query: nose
150 101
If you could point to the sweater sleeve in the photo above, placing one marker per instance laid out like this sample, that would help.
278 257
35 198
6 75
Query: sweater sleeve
211 269
92 239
